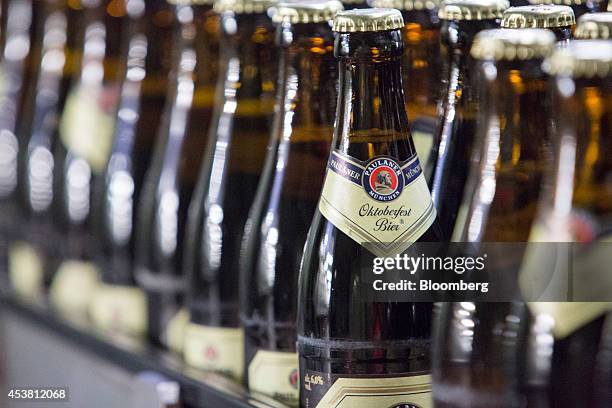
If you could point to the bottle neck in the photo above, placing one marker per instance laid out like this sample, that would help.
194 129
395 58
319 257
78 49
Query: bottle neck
563 34
424 18
247 54
516 103
457 36
307 73
371 105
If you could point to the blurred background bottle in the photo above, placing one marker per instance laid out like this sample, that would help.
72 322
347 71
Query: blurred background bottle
567 346
558 19
580 7
39 116
18 63
346 341
288 194
594 26
84 138
421 72
227 182
461 21
172 174
477 347
118 305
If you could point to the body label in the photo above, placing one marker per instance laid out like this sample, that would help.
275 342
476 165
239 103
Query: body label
572 267
218 349
87 123
119 308
73 287
383 205
26 271
175 332
321 390
275 374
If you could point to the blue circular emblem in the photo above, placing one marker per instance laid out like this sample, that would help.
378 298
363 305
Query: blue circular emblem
383 179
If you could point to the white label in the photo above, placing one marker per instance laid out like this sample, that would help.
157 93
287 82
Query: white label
86 127
215 348
175 333
383 205
26 271
73 287
276 374
119 309
547 270
423 143
401 392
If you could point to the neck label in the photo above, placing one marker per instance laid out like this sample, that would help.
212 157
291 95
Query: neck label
384 205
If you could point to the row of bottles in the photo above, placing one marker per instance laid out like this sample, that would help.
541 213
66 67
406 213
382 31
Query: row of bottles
215 177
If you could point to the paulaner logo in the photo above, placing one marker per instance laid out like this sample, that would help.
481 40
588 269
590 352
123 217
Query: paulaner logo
383 179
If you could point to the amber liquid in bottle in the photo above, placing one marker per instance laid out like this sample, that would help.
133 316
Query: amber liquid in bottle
478 345
230 173
172 174
576 207
459 105
285 203
421 75
340 334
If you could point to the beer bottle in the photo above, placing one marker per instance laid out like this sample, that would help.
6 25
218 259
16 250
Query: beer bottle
421 73
559 19
83 140
576 206
17 57
349 346
580 7
231 167
594 26
461 21
499 203
118 304
16 68
287 195
172 174
38 115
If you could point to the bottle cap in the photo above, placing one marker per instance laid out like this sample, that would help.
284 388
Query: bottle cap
594 26
243 6
368 20
190 2
540 16
564 2
306 11
582 59
407 4
472 9
508 45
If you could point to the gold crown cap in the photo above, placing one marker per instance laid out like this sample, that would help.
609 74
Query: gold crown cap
368 20
539 16
472 9
507 45
407 5
582 59
306 11
594 26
